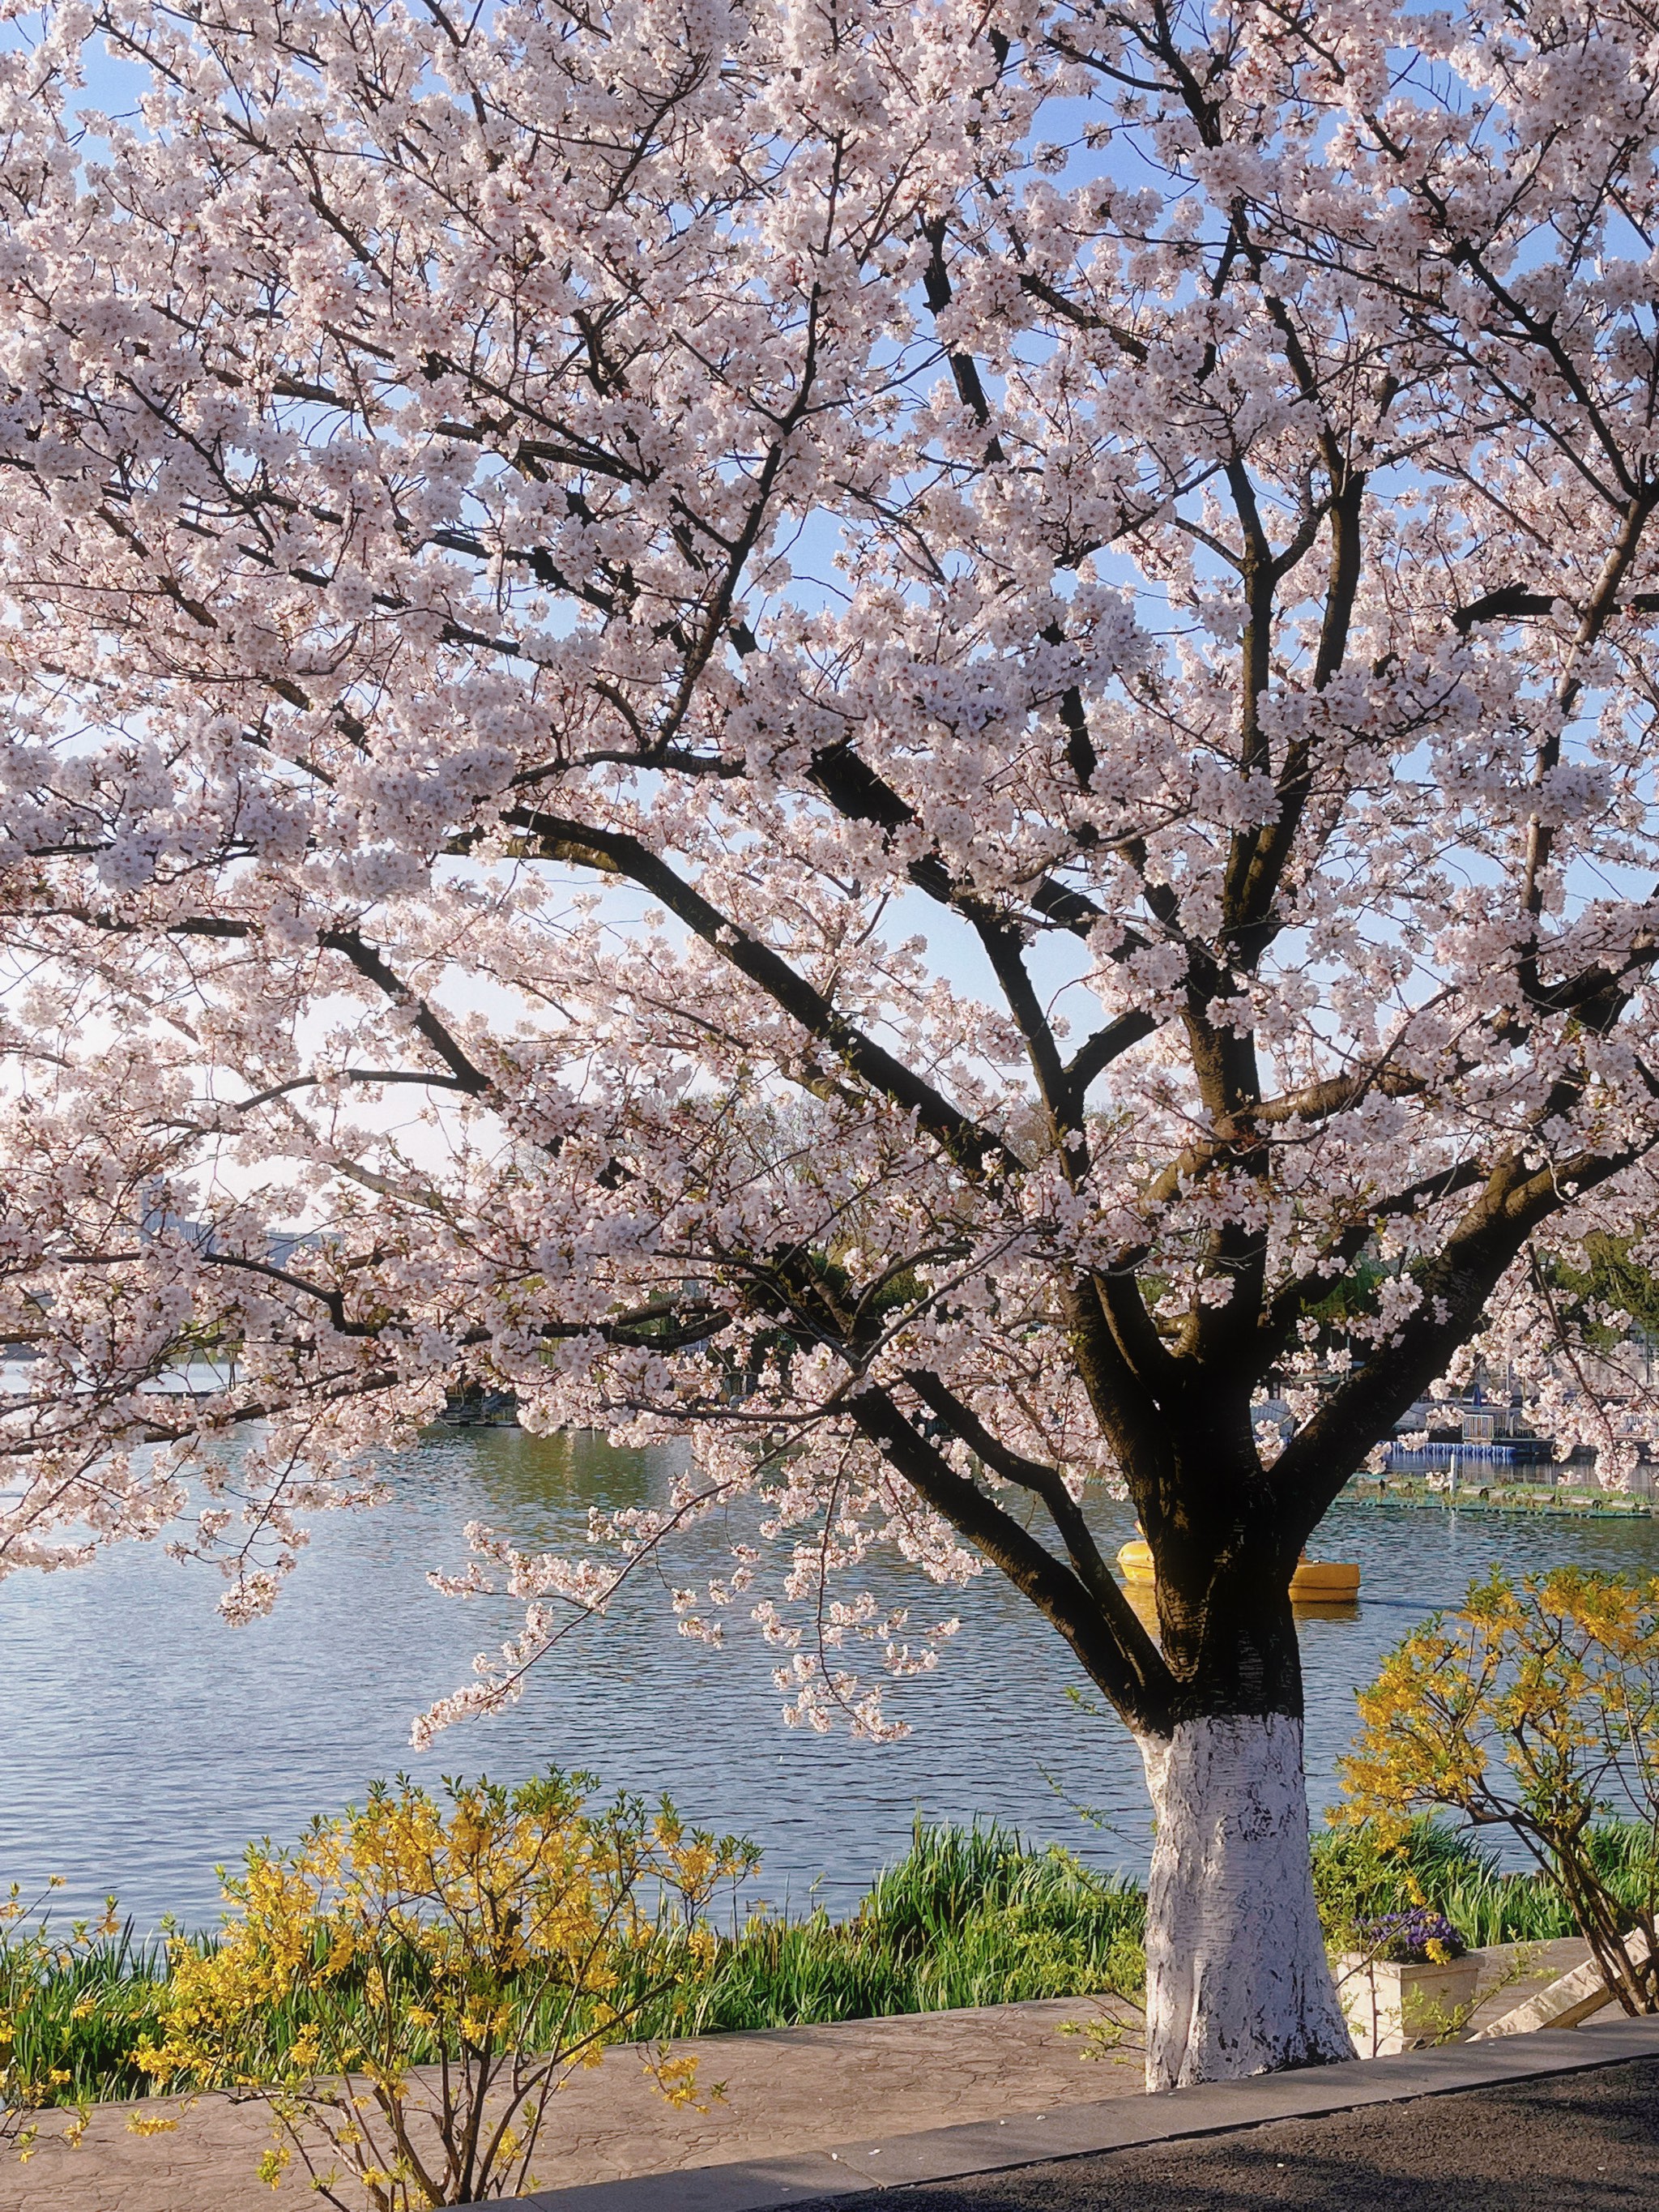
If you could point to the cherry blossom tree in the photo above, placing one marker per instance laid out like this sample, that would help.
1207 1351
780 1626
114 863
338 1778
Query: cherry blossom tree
882 735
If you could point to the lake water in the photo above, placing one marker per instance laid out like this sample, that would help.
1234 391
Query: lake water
142 1742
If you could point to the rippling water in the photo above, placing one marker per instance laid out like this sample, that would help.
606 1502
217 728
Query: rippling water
142 1742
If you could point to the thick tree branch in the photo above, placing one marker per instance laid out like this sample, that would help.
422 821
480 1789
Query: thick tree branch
1455 1287
1131 1673
370 964
1098 1052
613 852
1046 1482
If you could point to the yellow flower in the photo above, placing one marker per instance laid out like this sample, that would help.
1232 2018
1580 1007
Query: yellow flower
409 1927
273 2165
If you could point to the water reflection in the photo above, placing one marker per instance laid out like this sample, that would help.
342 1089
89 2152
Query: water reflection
143 1742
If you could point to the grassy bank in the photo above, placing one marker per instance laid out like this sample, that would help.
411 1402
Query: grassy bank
970 1915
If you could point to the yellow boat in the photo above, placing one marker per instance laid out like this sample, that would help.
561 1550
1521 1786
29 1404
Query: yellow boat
1315 1581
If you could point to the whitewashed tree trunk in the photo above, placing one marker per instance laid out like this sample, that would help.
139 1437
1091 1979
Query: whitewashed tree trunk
1236 1978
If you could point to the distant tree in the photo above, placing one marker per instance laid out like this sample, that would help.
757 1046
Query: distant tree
1073 586
1610 1293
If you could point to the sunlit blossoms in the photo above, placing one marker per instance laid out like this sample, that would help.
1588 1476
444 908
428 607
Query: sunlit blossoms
911 742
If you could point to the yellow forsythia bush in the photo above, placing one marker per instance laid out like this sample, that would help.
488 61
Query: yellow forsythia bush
31 1958
408 1986
1535 1707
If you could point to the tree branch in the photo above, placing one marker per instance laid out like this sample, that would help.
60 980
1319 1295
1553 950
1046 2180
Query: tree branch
1131 1674
617 853
369 963
1455 1287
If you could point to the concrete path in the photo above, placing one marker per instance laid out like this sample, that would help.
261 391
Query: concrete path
1588 2142
1031 2163
788 2091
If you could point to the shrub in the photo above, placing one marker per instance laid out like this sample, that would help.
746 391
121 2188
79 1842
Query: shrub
507 1936
968 1916
1536 1709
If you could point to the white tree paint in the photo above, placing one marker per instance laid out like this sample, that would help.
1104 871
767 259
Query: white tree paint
1237 1977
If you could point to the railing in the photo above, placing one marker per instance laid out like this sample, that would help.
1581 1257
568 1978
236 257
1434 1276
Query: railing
1402 1461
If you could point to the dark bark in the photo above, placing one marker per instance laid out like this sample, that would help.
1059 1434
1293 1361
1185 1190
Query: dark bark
1224 1619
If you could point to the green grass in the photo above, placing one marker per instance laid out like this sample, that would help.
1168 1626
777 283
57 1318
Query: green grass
1451 1870
94 2005
969 1917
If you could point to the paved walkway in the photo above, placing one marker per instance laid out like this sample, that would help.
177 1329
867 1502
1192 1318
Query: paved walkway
988 2155
786 2090
1589 2142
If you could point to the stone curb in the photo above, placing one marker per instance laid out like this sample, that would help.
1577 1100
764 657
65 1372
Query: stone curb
768 2184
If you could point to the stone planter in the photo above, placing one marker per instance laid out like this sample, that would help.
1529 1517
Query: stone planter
1393 2007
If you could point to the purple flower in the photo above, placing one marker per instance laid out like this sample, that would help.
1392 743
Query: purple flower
1403 1939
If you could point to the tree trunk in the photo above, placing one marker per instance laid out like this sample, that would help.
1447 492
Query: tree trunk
1236 1978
